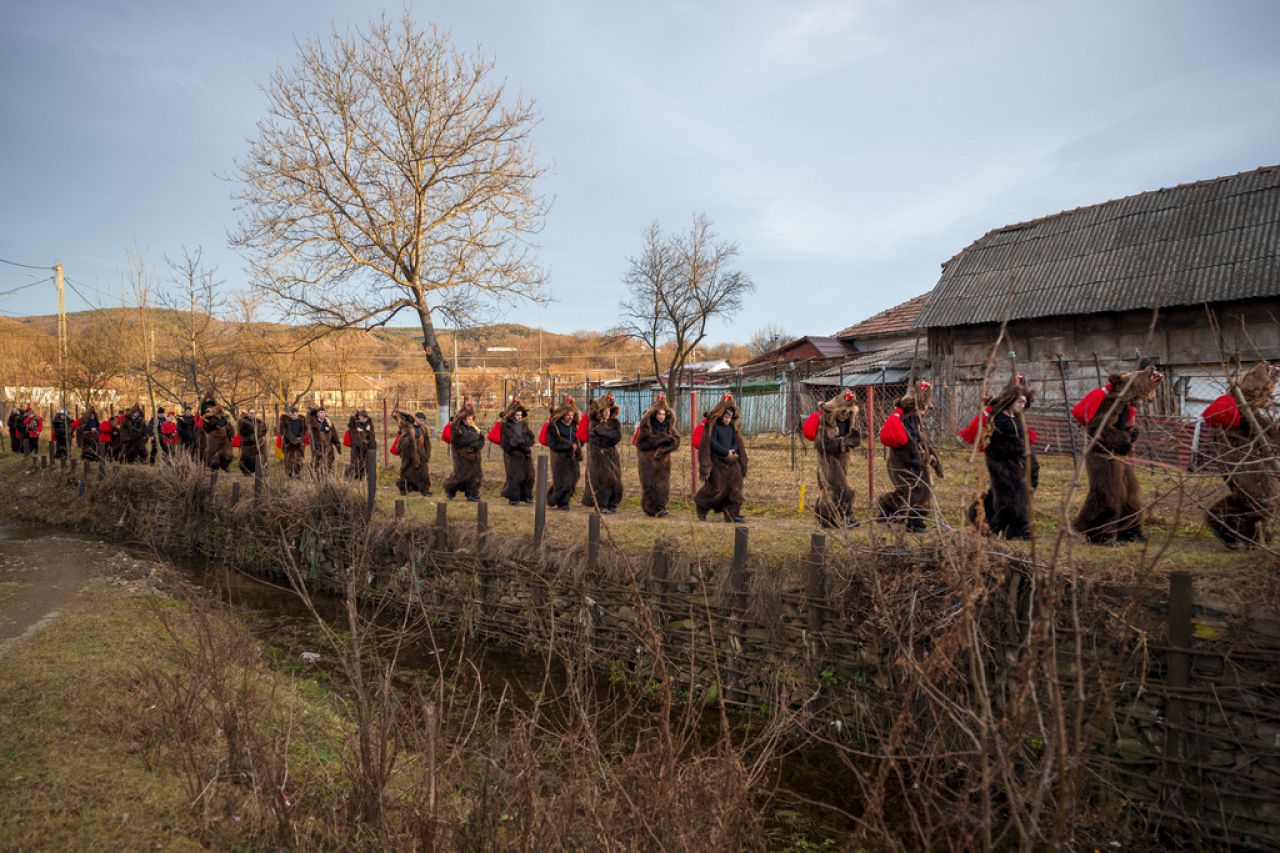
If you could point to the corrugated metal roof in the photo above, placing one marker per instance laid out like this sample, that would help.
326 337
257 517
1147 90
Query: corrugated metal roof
1212 241
888 365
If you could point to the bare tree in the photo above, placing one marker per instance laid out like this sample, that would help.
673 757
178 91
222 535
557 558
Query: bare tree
192 302
767 339
677 285
391 174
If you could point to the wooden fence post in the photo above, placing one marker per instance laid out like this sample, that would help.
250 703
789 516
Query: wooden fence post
871 443
257 478
1177 669
371 468
482 528
213 482
102 467
399 507
235 494
738 573
540 502
659 569
442 526
817 580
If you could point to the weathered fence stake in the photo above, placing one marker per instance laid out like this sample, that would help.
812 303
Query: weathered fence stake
399 507
73 466
540 502
371 468
213 482
442 526
44 461
257 480
593 541
738 574
235 494
659 569
102 468
817 580
1178 666
693 451
482 528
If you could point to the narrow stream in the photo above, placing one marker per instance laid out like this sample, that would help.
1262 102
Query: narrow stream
41 567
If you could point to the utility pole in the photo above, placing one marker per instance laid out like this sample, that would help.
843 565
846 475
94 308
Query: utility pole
62 336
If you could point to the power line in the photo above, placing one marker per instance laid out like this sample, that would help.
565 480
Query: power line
27 266
22 287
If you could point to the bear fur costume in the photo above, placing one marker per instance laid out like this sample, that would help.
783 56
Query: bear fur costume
722 465
517 454
292 430
1246 456
465 444
132 436
252 432
325 443
566 453
363 439
87 435
1006 505
218 431
837 435
414 449
909 465
655 442
604 465
1112 510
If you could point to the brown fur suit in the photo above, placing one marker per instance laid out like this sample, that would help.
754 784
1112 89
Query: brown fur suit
604 465
910 465
363 439
517 454
87 435
325 443
655 442
1006 505
722 472
414 449
566 453
132 436
218 431
1112 510
252 431
837 435
465 444
1246 457
292 430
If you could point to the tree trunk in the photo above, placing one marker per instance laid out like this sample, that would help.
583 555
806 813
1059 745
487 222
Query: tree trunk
439 366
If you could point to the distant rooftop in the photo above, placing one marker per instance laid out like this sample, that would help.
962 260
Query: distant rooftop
898 319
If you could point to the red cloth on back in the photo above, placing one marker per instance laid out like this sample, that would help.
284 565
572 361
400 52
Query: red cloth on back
446 434
542 435
495 434
584 429
696 438
810 427
1223 412
893 433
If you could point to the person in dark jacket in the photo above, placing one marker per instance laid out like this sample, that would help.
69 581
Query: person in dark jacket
252 432
465 444
910 464
325 444
187 430
656 440
364 439
61 434
722 463
206 406
87 436
410 446
218 432
132 436
604 466
293 440
1012 467
837 435
14 424
517 454
566 453
156 423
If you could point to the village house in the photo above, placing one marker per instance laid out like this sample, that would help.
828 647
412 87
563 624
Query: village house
883 350
1187 278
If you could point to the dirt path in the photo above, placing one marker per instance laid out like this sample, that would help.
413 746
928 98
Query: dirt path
39 571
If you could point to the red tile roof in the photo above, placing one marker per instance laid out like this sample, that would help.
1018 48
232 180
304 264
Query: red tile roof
899 318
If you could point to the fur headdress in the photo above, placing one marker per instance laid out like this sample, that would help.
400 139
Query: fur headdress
1135 388
1016 387
514 406
917 398
568 404
842 402
660 404
726 404
463 411
603 408
1258 385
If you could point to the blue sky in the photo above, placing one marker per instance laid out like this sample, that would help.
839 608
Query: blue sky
848 147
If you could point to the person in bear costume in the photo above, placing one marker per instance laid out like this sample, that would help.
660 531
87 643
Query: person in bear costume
517 453
722 463
325 444
14 423
86 430
1006 505
363 439
465 444
604 465
292 430
409 446
837 435
1243 447
1112 510
252 431
656 440
566 453
911 463
218 431
132 436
